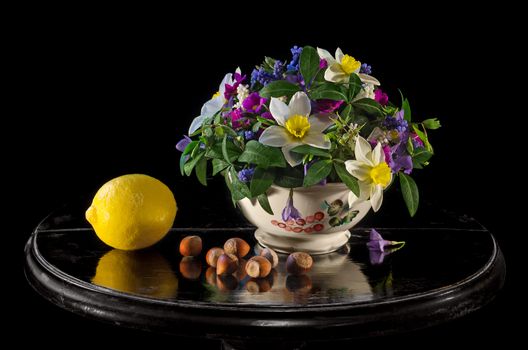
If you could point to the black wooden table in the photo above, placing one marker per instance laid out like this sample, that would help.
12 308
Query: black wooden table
449 267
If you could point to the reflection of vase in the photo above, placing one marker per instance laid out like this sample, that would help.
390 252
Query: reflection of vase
321 226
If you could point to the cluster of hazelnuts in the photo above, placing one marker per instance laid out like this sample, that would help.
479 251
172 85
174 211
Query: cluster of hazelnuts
227 260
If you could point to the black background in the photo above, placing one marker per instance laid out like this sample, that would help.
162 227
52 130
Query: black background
98 96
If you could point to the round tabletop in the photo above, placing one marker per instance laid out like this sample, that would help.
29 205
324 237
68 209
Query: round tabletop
449 267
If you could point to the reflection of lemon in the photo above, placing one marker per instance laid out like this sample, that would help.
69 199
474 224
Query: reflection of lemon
145 273
132 211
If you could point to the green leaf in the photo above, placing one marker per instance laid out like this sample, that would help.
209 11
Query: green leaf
279 88
289 177
307 149
190 147
191 163
256 126
239 190
201 171
317 172
432 124
309 64
410 193
345 114
264 203
406 110
230 152
219 165
261 155
369 106
328 91
354 86
421 157
350 181
262 180
183 159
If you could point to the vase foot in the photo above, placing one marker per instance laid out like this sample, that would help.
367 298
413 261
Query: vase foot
312 244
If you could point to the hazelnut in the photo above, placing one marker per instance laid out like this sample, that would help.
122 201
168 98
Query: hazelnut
212 256
236 246
271 256
299 263
226 264
191 246
258 285
298 283
226 283
190 268
240 273
258 267
210 276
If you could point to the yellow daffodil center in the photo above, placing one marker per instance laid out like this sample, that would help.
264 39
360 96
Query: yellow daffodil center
297 126
381 174
216 94
349 64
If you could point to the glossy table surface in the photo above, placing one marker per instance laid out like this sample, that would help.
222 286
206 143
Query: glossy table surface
450 266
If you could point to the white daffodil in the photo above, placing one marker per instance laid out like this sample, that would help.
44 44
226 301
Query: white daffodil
342 66
372 172
211 107
296 127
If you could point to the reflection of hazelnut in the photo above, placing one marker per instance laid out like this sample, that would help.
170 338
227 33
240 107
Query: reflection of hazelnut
298 263
190 268
270 255
298 283
258 285
236 246
226 264
191 246
210 276
258 266
226 283
212 256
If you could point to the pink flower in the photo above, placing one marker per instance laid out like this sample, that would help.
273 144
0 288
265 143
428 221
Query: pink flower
237 118
381 97
323 64
326 106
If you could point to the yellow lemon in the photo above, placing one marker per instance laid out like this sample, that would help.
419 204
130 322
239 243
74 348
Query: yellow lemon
132 211
145 273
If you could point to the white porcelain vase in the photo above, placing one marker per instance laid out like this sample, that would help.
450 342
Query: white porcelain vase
322 218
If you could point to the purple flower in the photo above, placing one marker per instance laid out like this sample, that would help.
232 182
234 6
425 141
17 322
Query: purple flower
400 158
323 63
231 90
182 144
325 106
245 175
249 135
381 97
293 66
253 103
237 119
416 140
379 248
267 115
261 76
396 122
278 70
377 242
365 69
290 212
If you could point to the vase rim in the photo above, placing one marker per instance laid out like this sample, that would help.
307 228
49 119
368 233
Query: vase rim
331 185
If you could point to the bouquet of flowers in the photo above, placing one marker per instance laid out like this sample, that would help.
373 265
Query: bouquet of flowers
313 119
